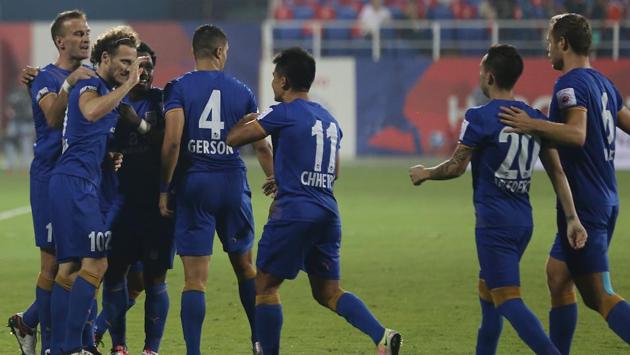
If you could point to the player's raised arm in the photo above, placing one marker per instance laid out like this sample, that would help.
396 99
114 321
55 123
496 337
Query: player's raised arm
452 168
572 132
551 161
174 127
623 119
94 106
54 105
247 130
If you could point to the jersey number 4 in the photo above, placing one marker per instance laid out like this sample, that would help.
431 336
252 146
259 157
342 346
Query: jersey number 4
518 144
211 116
331 133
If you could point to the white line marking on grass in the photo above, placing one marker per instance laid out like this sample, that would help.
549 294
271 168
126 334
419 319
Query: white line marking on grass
14 212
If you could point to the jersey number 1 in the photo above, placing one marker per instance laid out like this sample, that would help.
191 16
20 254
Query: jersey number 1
331 133
211 116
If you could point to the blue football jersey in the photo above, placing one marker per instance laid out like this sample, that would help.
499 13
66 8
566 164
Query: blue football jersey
85 143
139 176
306 141
590 169
47 147
502 165
213 102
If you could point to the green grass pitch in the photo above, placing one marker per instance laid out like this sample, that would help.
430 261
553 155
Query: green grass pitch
408 252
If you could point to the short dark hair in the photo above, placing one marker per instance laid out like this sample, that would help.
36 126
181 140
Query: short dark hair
206 40
145 48
55 26
298 66
504 62
575 29
111 40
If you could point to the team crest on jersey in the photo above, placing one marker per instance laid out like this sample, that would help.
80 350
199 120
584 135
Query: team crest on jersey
566 98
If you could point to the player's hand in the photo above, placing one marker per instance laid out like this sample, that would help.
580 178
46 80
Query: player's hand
117 159
165 211
28 75
135 70
418 174
81 73
269 187
518 119
576 234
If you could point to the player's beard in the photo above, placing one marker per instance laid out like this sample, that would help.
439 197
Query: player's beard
557 64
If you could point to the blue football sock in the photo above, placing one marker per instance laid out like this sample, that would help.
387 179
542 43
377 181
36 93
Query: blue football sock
562 323
619 320
101 320
489 330
268 327
247 292
43 313
155 312
356 313
58 314
527 326
30 316
88 330
115 303
193 312
79 306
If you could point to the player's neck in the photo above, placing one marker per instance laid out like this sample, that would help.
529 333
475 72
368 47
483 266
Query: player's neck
207 65
66 63
575 61
501 94
290 96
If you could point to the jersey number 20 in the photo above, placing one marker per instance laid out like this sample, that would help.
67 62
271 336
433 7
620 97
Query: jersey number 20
518 144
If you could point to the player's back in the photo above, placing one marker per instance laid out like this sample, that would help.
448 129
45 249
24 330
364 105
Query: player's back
47 147
84 142
502 165
590 169
213 102
306 141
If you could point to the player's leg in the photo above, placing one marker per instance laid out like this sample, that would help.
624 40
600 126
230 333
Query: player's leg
115 297
59 302
193 302
564 311
597 293
491 322
268 313
499 251
235 228
590 269
246 275
322 265
156 307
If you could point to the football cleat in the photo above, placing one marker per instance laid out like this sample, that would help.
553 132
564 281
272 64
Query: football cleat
148 352
390 344
93 350
82 352
25 336
119 350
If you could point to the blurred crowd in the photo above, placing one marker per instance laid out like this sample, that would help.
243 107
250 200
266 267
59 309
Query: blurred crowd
615 10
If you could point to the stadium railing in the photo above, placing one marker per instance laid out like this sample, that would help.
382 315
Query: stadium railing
431 38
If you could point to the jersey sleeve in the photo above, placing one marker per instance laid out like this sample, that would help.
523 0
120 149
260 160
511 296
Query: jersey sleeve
274 119
472 133
42 85
173 97
619 98
87 85
252 106
570 93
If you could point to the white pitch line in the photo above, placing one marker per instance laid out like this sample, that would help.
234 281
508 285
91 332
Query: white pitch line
14 212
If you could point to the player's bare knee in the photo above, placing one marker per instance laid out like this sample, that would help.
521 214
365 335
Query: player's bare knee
500 295
194 285
271 298
96 267
484 291
328 297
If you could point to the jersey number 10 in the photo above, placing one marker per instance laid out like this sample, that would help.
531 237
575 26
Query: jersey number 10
331 133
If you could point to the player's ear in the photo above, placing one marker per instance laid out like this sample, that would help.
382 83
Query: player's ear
105 57
564 44
59 42
490 78
285 83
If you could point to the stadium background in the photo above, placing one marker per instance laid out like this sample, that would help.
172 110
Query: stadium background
409 252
